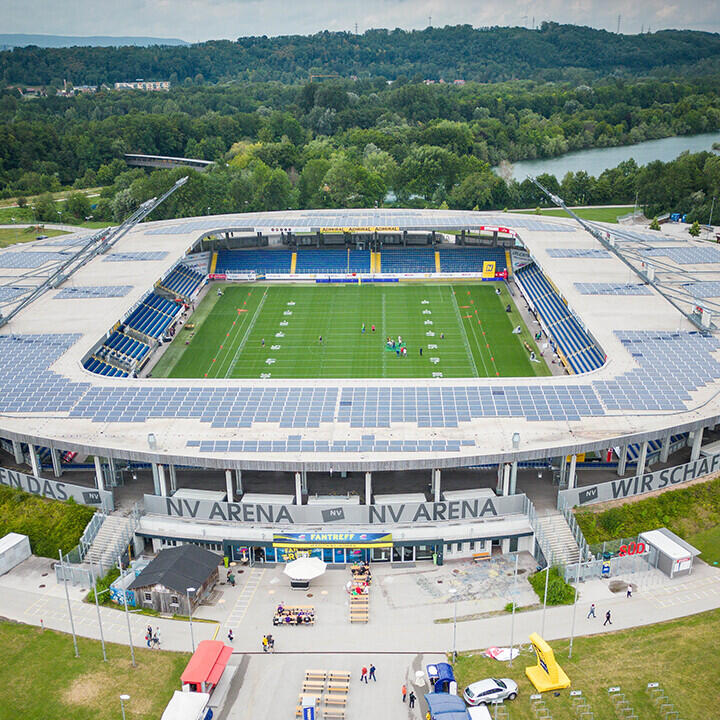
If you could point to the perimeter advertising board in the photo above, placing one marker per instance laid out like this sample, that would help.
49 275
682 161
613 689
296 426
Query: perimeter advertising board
56 490
468 509
640 484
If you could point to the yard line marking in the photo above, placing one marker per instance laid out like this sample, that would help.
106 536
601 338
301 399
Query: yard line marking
240 347
465 338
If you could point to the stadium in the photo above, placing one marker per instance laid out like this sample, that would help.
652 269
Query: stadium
360 383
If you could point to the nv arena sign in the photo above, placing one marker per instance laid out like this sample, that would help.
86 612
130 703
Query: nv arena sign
640 484
481 508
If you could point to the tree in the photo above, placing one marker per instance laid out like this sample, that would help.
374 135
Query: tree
694 229
45 208
78 205
655 225
21 201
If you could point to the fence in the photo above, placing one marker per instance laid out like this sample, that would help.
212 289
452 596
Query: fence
618 565
585 553
542 550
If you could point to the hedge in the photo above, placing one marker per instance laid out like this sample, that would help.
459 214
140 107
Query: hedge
51 525
685 511
559 592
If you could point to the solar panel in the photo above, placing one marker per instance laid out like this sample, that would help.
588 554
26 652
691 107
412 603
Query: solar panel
93 291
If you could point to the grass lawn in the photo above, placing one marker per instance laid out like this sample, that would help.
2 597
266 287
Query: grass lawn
682 655
599 214
23 235
227 339
43 679
708 542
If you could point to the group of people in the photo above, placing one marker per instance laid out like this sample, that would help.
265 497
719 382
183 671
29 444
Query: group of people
361 578
293 616
398 346
152 638
408 696
268 643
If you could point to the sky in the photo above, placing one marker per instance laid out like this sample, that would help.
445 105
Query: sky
198 20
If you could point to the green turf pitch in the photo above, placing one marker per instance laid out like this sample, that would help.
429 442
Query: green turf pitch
274 331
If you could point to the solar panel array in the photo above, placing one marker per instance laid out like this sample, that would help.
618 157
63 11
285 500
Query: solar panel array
704 288
612 289
687 255
93 291
10 293
404 219
565 252
28 260
296 443
670 365
129 256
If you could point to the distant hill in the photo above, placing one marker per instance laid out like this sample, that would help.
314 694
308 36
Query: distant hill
552 52
15 40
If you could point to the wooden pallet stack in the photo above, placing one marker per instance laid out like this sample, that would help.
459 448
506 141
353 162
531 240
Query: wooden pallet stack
327 687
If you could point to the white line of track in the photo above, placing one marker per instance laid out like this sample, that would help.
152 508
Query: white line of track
240 347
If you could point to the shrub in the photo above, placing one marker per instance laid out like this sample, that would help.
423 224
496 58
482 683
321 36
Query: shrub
103 587
51 525
559 592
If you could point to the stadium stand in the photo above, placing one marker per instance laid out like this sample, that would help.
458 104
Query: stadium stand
259 261
579 350
333 260
99 367
153 315
182 281
469 259
404 260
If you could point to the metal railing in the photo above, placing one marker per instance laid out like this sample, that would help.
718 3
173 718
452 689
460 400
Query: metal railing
569 515
90 533
541 540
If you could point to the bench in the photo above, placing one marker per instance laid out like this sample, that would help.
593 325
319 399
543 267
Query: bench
299 706
339 700
292 611
334 712
338 689
315 675
485 555
341 675
310 686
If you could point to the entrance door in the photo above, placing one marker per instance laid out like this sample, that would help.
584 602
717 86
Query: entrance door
513 544
339 556
381 554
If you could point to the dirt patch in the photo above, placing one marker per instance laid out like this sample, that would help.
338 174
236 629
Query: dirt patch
86 690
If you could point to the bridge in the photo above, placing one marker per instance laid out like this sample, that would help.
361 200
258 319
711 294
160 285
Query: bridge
163 161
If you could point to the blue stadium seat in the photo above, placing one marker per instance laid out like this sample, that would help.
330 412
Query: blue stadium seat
259 261
575 344
471 259
182 281
332 260
407 260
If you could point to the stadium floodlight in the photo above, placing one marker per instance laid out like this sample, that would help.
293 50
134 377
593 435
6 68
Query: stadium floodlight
516 440
152 441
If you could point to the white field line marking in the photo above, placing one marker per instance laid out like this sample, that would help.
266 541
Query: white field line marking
464 335
240 347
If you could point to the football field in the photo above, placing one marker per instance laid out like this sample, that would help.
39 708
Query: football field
316 331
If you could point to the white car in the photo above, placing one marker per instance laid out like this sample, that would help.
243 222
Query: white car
490 690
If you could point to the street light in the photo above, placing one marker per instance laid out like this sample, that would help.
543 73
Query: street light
123 700
454 593
192 637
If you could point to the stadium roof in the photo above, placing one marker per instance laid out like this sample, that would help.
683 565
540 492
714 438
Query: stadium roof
660 375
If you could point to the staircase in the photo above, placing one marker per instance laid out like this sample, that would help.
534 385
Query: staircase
558 540
113 536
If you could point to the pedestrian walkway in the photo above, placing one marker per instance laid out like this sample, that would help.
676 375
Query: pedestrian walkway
239 610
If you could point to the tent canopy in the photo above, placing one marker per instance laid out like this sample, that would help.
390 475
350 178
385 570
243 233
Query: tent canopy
207 663
443 706
185 706
440 675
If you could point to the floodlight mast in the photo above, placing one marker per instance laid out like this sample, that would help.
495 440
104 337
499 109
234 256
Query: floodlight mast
610 247
98 243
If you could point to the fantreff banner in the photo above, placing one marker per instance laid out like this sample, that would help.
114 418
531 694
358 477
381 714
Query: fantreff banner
332 540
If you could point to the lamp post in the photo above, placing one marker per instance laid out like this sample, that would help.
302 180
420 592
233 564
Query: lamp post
123 700
191 590
97 608
454 594
547 578
127 612
64 570
512 620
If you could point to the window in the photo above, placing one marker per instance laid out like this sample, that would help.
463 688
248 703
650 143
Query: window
148 597
174 600
472 545
458 547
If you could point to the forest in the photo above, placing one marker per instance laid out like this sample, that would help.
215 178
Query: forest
551 52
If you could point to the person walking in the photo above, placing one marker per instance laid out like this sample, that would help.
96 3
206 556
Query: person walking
156 638
265 643
592 612
629 591
231 637
271 643
372 673
363 675
148 637
420 352
411 698
608 621
404 692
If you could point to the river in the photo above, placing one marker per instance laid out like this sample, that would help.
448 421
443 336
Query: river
596 160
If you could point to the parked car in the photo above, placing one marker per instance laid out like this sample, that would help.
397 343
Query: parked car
490 690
